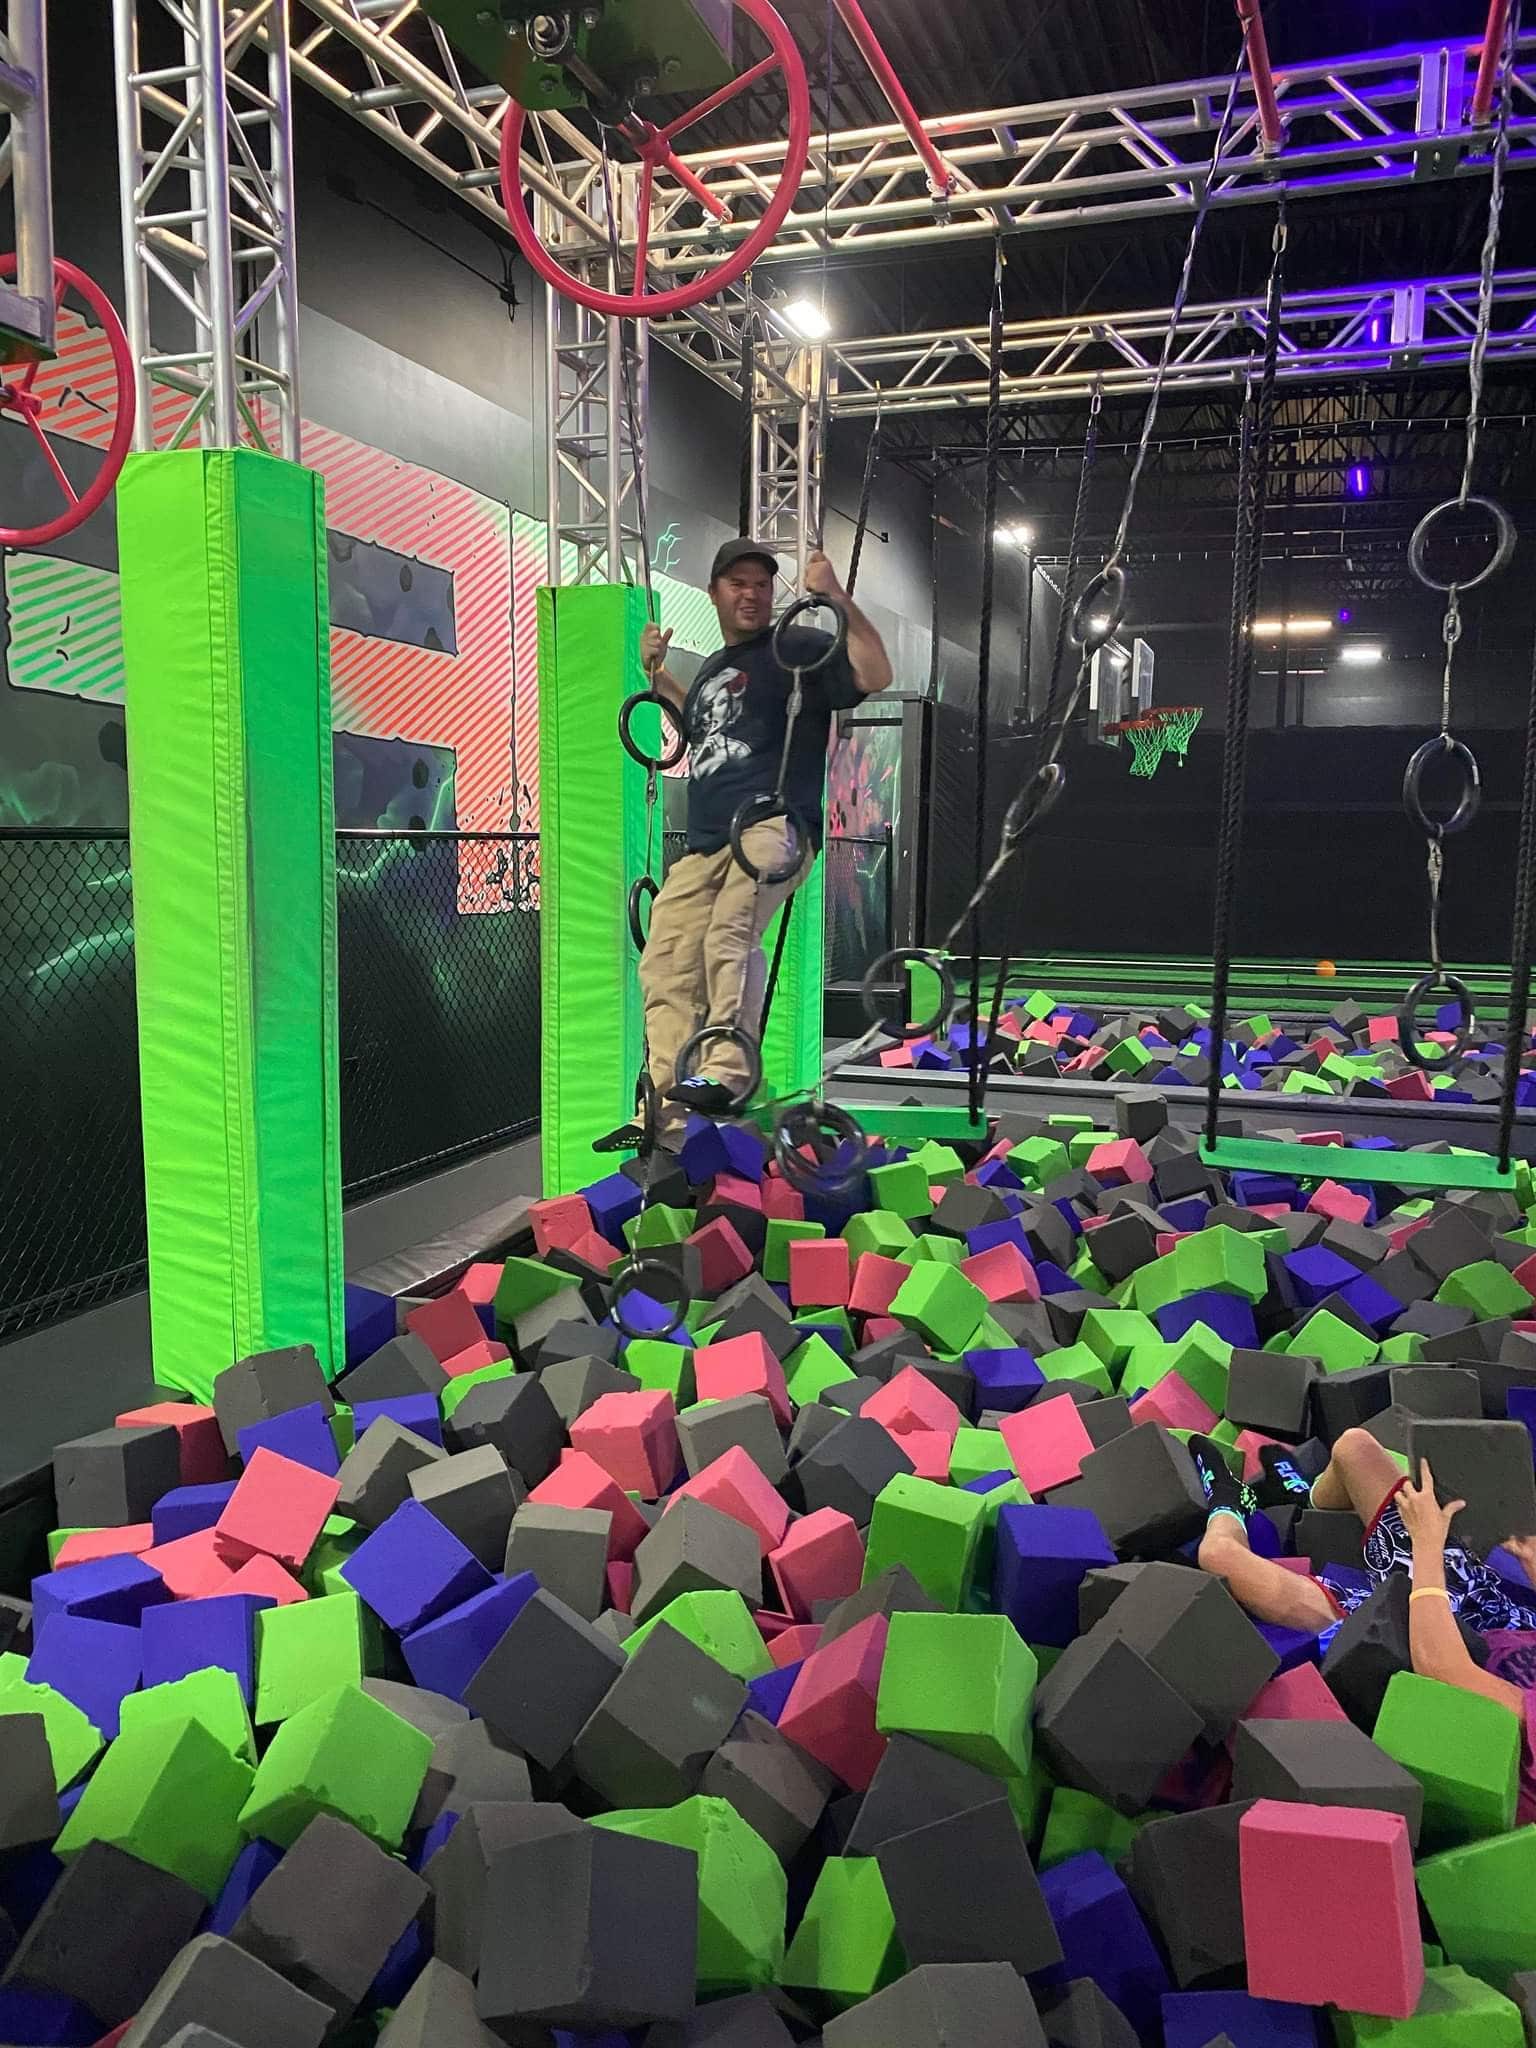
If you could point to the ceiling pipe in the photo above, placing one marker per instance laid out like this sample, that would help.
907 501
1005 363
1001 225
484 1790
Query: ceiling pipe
941 179
1488 63
1271 128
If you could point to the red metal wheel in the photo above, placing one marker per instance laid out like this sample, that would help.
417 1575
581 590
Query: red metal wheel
20 401
654 147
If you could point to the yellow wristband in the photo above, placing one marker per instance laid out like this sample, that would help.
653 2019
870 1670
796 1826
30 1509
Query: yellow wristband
1428 1593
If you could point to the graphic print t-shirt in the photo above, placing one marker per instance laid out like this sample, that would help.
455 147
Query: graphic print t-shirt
735 717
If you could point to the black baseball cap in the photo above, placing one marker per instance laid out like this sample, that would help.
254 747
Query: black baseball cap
736 551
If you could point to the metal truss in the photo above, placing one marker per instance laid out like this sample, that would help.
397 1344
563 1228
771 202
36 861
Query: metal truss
205 164
28 309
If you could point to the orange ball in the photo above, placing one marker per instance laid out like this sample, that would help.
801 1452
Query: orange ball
1327 969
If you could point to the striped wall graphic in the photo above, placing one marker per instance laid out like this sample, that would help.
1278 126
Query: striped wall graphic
64 626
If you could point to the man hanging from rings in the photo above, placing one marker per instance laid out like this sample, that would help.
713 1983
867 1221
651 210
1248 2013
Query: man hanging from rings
703 965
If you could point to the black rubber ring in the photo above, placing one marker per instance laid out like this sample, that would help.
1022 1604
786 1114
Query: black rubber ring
1084 633
628 1282
644 891
1033 804
758 810
1504 544
671 723
908 956
810 1123
1470 800
798 610
1408 1018
724 1034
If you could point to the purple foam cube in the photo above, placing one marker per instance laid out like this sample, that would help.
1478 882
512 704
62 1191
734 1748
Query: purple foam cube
1054 1281
1188 1213
45 2019
769 1694
433 1840
370 1318
932 1060
251 1868
1316 1272
302 1434
186 1509
445 1655
413 1569
1069 1215
418 1413
989 1235
998 1175
1520 1406
613 1201
702 1153
1043 1555
1193 2019
1292 1646
745 1149
401 1967
1371 1302
1006 1380
832 1334
985 1482
1228 1315
94 1663
1105 1938
645 1314
115 1589
1168 1077
191 1635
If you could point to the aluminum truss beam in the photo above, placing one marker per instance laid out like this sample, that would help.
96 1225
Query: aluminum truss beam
205 161
28 309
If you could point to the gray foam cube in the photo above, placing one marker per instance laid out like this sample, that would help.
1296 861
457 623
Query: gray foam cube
104 1933
1196 1637
574 1384
1100 1589
469 1767
1486 1464
1521 1989
849 1468
648 1742
1270 1392
437 2012
376 1473
566 1549
746 2022
1082 2017
1445 1391
29 1805
1323 1763
114 1477
215 1983
893 1591
535 1324
406 1365
695 1548
518 1418
745 1422
944 1914
1145 1491
913 1786
1183 1873
542 1681
269 1383
457 1874
475 1494
1330 1536
1108 1724
944 2005
432 1712
772 1783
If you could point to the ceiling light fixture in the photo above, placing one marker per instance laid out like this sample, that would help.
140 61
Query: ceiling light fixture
1016 536
1275 629
1361 656
805 318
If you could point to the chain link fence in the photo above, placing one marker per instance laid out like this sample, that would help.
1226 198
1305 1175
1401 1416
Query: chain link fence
438 947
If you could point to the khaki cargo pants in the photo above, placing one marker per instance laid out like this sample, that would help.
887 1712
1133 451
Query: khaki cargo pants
704 961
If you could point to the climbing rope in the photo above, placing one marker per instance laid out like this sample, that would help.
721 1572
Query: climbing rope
1523 932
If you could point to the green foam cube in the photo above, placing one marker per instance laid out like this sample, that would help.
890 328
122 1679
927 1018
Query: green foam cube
1487 1289
782 1233
1463 1749
845 1948
826 1319
1069 1120
170 1793
57 1538
346 1754
73 1740
343 1427
1076 1362
1454 2011
1157 1284
1007 1493
720 1623
1077 1821
1406 1349
901 1189
1204 1360
941 1304
1039 1161
1482 1900
526 1284
659 1224
877 1231
810 1370
305 1650
1083 1144
933 1530
1147 1364
1339 1345
941 1163
742 1889
965 1683
974 1453
458 1387
1221 1260
212 1696
1130 1056
1297 1082
934 1249
662 1367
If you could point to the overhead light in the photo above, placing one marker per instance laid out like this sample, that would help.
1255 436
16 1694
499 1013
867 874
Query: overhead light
1276 629
1361 656
1017 536
805 318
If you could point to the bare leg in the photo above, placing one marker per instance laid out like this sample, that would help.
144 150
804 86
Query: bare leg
1359 1475
1266 1590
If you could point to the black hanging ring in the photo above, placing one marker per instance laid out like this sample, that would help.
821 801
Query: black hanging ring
836 1140
1504 544
798 610
1469 800
879 971
1097 615
758 810
672 728
1033 804
1408 1020
630 1281
643 892
724 1034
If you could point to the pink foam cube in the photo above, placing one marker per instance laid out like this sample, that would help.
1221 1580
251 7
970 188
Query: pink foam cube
723 1257
1167 1239
734 1485
830 1711
1084 1062
558 1222
1008 1026
876 1327
578 1481
633 1436
819 1272
1525 1276
91 1544
1047 1444
1119 1163
821 1558
1410 1087
731 1187
1381 1031
1300 1694
771 1624
1002 1273
794 1645
199 1441
1320 1137
781 1200
1330 1916
596 1251
1338 1202
1174 1403
264 1575
742 1365
446 1326
621 1585
476 1358
478 1283
875 1283
277 1508
897 1056
930 1451
1199 1779
1043 1032
908 1403
193 1567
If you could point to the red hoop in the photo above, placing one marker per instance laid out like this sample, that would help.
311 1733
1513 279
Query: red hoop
17 401
654 146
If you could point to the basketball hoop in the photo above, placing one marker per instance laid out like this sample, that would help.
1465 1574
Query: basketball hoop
1178 722
1148 738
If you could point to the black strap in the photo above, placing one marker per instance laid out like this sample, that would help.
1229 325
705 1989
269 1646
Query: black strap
1520 939
977 1063
773 971
748 409
1069 583
871 464
1247 570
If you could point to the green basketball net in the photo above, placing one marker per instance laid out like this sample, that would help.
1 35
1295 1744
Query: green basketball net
1148 742
1178 722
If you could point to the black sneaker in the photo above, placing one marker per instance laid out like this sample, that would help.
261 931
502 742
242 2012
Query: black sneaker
1222 1488
704 1097
627 1138
1284 1484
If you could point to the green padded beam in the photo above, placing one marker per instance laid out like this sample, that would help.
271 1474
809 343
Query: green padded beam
226 654
1359 1163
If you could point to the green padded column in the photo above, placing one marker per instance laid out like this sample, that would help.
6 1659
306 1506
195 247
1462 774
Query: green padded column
792 1048
227 661
592 848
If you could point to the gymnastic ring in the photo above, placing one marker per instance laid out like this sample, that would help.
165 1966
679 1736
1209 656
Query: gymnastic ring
908 956
1504 544
628 1281
757 810
724 1034
670 720
1033 804
1408 1020
1471 797
810 1123
797 610
644 891
1087 634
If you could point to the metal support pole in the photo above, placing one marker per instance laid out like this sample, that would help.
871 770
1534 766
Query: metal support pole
28 310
